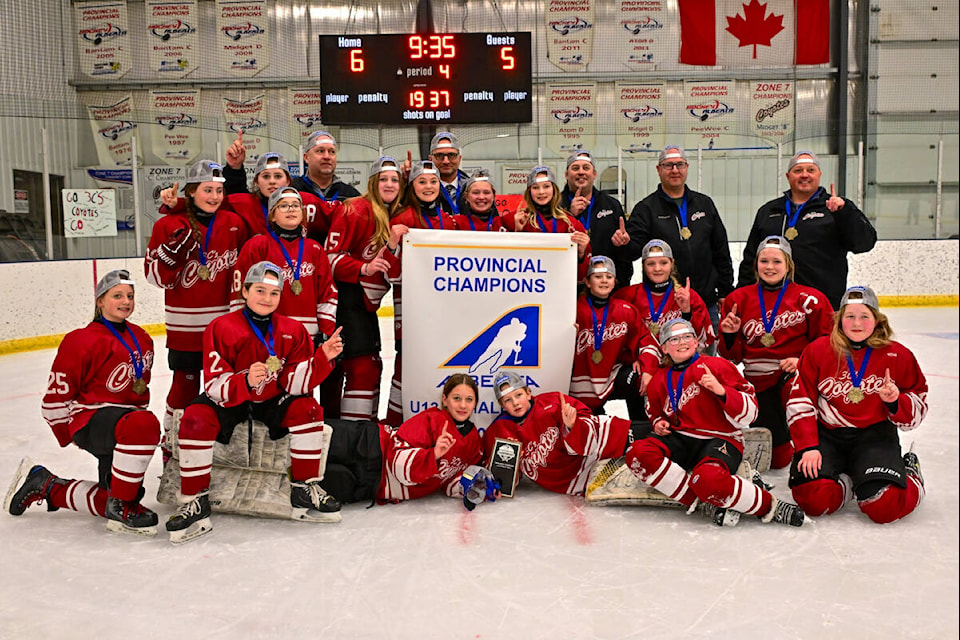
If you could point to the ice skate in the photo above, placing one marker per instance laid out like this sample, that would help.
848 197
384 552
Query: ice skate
31 483
912 463
785 513
191 520
130 517
312 504
720 516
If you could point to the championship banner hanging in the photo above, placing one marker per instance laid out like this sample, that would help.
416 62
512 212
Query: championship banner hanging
247 116
772 110
641 32
569 33
113 127
175 136
710 117
570 122
103 48
305 113
172 37
242 34
482 303
641 109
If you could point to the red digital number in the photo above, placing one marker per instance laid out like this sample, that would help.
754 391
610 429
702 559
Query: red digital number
417 99
439 99
506 54
449 49
415 44
444 70
356 60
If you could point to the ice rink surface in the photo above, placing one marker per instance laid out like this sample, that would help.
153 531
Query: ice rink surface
536 566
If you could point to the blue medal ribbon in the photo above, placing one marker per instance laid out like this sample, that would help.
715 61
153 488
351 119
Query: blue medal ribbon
856 375
586 214
439 217
266 214
794 216
136 359
266 341
655 315
286 256
318 191
451 201
598 330
768 324
202 250
683 210
543 223
676 392
473 228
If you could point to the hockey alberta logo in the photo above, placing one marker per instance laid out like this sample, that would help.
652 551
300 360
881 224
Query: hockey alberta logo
512 340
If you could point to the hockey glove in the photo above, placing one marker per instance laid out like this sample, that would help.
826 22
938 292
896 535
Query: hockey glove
478 485
178 245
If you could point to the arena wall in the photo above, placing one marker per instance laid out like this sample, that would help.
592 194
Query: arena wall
902 272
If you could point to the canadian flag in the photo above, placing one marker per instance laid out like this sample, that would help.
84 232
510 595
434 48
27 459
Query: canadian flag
735 33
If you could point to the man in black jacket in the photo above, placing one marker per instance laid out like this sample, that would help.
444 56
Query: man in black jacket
319 173
599 213
689 222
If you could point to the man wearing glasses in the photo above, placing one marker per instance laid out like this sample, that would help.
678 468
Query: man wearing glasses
689 222
445 153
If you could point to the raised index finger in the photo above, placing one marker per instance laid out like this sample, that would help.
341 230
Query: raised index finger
240 135
623 225
833 192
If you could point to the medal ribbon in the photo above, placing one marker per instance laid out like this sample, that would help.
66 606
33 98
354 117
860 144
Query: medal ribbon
655 315
451 201
683 210
794 216
768 325
266 341
586 214
857 375
598 331
439 217
266 214
286 256
473 228
202 250
318 191
136 359
675 393
543 223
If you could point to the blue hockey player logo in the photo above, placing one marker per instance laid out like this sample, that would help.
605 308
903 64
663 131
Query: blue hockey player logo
513 340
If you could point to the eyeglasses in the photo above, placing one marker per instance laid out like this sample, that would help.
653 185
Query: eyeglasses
292 206
683 337
453 155
670 166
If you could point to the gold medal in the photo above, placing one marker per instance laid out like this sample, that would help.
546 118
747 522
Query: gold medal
790 233
273 364
654 328
296 287
855 395
139 386
685 233
767 339
596 356
204 272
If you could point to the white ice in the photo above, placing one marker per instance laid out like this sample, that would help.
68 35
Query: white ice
536 566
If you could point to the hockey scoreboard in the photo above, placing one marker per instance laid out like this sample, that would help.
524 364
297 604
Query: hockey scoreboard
451 78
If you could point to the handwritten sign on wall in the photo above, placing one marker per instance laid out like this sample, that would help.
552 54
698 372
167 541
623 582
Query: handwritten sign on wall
89 213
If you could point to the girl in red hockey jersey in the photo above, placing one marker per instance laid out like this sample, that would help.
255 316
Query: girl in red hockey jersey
258 365
310 297
699 406
359 237
661 298
191 256
614 356
478 211
541 213
854 388
766 326
423 210
431 450
97 398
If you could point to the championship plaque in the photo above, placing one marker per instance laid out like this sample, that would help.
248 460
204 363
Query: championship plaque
505 464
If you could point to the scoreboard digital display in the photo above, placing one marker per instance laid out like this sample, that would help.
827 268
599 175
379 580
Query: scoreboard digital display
452 78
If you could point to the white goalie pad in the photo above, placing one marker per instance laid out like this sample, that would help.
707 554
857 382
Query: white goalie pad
248 481
612 483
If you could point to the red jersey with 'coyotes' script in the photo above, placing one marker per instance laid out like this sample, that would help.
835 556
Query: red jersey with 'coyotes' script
820 389
556 459
192 302
699 412
316 305
804 315
410 468
230 346
349 245
625 340
93 370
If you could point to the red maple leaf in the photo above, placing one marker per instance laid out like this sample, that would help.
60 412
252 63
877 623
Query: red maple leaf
755 27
